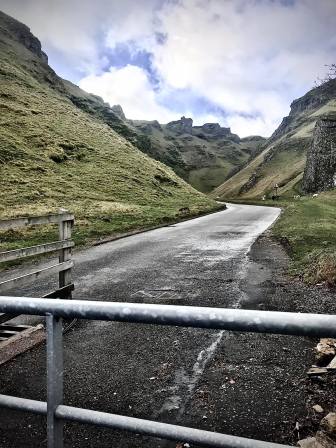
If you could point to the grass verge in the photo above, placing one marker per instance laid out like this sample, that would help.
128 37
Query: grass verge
307 229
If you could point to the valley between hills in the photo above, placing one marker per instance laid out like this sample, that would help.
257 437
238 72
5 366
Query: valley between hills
61 147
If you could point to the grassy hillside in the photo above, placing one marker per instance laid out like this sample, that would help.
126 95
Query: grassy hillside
283 160
54 154
203 155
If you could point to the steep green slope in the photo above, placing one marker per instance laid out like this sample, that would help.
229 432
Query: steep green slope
284 158
54 153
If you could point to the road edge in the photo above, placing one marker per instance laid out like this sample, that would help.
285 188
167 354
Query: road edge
159 226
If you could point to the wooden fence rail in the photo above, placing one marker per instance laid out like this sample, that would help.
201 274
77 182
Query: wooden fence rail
15 254
63 247
17 223
42 273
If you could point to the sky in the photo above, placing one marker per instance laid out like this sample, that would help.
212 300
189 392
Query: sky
236 62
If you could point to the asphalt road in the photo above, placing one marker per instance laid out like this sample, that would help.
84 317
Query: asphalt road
163 373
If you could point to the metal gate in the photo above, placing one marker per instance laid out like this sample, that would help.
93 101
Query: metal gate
184 316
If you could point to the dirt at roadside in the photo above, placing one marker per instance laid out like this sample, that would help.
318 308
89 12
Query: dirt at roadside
318 390
257 385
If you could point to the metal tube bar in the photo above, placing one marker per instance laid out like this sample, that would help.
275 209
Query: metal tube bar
161 430
54 380
23 404
139 426
300 324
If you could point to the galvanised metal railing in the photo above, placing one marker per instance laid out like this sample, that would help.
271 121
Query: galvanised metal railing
185 316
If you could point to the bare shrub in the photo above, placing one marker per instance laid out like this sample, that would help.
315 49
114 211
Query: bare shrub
331 74
321 268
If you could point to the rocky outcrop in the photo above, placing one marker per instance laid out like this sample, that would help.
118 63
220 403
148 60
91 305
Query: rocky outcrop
301 107
23 35
118 110
203 155
285 152
320 171
183 126
253 179
147 127
215 130
314 98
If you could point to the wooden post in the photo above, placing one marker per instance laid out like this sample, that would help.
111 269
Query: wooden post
276 188
65 254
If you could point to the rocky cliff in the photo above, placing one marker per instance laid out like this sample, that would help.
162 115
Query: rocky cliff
15 30
182 126
320 171
283 159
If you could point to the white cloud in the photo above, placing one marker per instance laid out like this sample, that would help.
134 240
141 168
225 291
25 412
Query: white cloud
129 87
245 126
77 29
250 58
247 57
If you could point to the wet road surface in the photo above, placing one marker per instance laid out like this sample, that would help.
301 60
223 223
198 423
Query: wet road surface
162 373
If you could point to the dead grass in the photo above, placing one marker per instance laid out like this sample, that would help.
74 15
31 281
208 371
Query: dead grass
321 267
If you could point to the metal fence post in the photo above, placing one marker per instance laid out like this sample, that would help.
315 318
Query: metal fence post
65 254
54 380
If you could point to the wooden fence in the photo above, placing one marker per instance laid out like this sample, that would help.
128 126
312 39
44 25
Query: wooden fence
63 246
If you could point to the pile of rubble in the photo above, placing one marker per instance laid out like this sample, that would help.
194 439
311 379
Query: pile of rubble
325 437
325 357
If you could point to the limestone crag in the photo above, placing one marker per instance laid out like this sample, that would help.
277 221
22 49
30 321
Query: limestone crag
301 107
320 171
283 158
117 109
203 155
22 34
215 130
183 126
